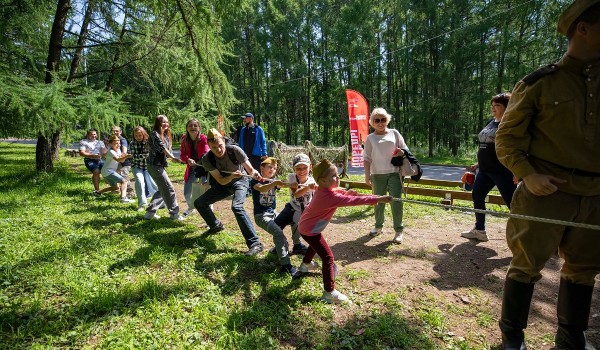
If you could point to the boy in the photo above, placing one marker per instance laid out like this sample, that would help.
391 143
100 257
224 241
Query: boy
264 198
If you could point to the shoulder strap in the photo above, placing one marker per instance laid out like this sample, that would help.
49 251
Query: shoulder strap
531 78
231 154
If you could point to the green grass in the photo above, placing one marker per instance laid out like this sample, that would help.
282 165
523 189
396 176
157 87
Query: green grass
78 272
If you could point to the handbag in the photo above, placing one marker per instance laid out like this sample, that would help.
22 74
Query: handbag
406 168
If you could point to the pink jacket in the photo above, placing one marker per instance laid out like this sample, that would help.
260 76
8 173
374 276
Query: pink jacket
186 152
325 201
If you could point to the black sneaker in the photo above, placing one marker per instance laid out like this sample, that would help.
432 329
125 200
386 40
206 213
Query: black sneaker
216 229
255 249
300 249
273 251
291 270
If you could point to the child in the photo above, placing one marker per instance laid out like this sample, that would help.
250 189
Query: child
302 188
328 197
193 147
109 170
264 198
139 152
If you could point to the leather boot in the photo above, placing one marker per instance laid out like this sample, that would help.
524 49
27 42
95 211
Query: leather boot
515 311
573 310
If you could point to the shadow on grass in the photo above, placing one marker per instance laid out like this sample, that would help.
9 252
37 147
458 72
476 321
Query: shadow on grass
358 250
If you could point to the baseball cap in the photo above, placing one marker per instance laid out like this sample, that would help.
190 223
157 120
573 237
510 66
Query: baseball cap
572 13
269 160
248 115
301 158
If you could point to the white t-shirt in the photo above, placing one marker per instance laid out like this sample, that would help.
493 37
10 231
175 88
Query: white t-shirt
110 164
302 201
379 150
94 147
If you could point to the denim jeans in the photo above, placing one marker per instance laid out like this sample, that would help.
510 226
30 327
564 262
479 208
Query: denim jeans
218 192
266 221
382 185
484 182
188 188
289 216
143 180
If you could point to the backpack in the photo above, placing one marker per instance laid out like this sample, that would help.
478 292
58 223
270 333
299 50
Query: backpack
211 158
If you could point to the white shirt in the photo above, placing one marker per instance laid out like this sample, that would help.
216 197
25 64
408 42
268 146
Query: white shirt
91 146
299 202
110 164
379 150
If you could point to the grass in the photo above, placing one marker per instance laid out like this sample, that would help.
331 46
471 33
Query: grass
77 272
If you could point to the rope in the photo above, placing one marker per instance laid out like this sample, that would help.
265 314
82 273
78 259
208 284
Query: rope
500 214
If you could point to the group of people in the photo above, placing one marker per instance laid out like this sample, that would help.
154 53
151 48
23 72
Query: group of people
541 150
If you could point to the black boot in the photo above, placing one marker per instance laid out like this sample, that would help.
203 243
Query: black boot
515 310
573 310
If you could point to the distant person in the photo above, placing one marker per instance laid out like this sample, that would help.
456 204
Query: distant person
252 141
225 164
193 147
550 138
114 156
383 177
124 167
160 149
139 148
92 150
491 172
328 197
264 197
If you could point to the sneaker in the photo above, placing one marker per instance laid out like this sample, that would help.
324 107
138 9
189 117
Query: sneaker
216 229
255 249
151 216
176 217
375 232
126 200
311 266
299 249
188 212
398 237
479 235
97 194
141 208
335 297
273 251
291 270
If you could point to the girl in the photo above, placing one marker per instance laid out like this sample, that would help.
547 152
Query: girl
139 150
328 197
160 150
193 147
109 170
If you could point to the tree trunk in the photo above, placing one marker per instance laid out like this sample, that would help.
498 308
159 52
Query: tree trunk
43 158
55 144
81 41
113 68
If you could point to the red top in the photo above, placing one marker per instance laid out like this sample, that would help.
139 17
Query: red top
186 152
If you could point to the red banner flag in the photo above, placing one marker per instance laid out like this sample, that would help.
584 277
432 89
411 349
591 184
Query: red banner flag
358 114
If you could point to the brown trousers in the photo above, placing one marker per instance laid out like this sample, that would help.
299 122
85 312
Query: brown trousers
533 243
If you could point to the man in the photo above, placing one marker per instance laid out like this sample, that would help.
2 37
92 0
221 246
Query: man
92 150
252 140
125 166
550 138
224 163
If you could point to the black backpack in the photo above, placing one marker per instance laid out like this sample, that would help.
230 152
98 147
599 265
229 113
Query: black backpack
211 158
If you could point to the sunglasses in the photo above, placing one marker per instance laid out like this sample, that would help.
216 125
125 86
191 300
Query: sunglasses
377 120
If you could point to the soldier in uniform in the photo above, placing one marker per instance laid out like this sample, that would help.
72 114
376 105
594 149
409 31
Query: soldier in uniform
550 138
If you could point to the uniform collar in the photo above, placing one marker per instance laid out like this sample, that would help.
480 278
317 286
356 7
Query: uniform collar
574 65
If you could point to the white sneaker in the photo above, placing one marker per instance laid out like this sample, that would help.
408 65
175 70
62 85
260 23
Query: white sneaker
126 200
375 232
311 266
335 297
479 235
398 237
177 217
141 208
151 216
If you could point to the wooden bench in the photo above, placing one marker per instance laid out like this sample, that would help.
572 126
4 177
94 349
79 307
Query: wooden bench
448 195
70 152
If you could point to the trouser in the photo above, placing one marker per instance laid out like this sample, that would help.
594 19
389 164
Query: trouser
317 244
266 221
165 193
124 171
143 181
533 243
290 216
484 182
216 193
192 189
382 185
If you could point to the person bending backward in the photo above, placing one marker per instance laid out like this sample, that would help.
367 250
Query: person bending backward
491 172
265 201
328 197
114 157
224 163
160 150
380 174
550 138
92 150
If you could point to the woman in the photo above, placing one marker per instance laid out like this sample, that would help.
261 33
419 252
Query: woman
160 150
139 150
491 172
193 147
380 174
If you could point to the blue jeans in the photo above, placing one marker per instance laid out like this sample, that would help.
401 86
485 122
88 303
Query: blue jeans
216 193
484 182
143 180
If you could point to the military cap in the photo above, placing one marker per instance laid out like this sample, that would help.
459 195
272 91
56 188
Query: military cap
320 168
572 13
